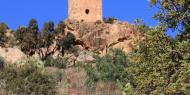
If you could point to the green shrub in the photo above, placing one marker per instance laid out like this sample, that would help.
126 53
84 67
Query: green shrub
58 62
28 79
129 89
111 67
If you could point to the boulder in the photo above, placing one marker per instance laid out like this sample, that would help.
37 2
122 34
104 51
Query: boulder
11 55
126 46
85 56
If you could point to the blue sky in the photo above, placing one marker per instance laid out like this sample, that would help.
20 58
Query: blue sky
18 12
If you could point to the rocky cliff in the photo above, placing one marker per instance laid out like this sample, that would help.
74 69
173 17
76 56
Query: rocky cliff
99 37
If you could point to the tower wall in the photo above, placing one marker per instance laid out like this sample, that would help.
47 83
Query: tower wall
87 10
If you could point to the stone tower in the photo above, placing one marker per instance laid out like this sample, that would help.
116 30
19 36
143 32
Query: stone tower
87 10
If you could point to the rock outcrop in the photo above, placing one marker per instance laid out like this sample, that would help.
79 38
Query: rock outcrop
100 37
85 56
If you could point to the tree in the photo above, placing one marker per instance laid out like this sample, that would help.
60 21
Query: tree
184 35
27 37
60 28
33 26
3 38
174 14
67 43
64 41
46 40
47 34
160 65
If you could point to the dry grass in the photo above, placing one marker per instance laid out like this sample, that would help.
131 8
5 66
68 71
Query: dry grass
74 83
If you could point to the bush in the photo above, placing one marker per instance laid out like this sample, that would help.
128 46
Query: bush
109 20
55 62
28 79
128 88
69 41
111 67
98 22
1 62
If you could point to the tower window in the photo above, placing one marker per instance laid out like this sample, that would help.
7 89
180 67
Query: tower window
87 11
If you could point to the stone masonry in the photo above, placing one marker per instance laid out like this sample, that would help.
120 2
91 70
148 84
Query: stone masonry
87 10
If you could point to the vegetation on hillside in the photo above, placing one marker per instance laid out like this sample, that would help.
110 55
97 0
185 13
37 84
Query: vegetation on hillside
31 40
158 65
28 77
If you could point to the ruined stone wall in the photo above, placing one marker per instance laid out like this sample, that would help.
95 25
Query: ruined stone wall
87 10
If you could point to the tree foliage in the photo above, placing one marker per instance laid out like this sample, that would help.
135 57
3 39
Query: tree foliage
46 40
3 37
160 65
27 37
174 14
60 28
31 40
47 34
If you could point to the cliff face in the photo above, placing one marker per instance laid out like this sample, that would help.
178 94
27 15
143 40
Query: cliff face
99 37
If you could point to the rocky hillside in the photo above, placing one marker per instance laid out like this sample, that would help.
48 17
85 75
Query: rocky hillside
76 58
90 38
99 37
